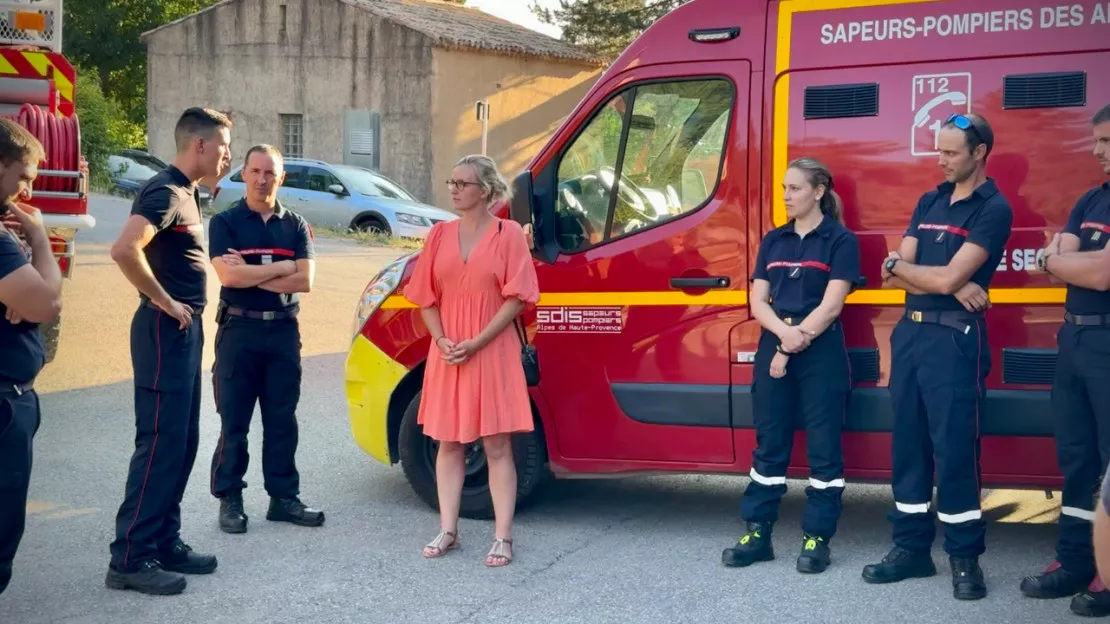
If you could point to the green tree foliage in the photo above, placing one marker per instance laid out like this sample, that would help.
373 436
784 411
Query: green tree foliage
104 128
606 27
103 35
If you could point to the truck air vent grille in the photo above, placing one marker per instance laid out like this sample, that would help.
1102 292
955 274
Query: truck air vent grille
839 101
865 364
1049 90
1028 366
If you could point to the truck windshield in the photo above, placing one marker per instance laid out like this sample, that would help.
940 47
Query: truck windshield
667 139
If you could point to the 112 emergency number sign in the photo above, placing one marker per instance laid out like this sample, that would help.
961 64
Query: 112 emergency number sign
935 98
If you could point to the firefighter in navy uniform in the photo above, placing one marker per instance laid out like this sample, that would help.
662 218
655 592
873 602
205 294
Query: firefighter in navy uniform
803 272
161 252
263 254
940 361
30 293
1081 389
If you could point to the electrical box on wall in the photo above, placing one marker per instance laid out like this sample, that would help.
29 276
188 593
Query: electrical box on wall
362 139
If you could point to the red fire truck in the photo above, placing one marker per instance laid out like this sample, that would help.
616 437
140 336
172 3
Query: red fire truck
38 89
650 200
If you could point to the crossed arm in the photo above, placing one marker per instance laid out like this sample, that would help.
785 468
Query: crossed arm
935 280
286 276
1088 269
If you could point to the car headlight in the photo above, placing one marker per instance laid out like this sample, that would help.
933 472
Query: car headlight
404 217
382 286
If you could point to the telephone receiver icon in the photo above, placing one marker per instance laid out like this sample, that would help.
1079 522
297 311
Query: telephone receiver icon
922 116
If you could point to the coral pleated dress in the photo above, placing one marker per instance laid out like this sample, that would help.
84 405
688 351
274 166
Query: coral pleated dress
487 394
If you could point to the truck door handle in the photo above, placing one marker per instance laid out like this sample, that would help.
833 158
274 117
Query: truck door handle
700 282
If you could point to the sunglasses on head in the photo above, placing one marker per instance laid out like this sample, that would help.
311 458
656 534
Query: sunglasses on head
964 123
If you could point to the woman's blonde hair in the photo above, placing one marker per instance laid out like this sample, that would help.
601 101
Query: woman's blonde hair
488 176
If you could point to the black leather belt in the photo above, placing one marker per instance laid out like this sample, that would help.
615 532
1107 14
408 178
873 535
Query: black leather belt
260 315
959 321
1087 319
147 303
10 389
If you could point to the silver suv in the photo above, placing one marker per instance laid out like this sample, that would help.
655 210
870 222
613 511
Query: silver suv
342 197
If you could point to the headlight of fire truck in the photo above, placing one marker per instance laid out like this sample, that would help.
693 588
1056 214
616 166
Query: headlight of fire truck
379 288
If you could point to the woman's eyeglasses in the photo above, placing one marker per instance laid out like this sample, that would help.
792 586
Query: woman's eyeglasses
459 185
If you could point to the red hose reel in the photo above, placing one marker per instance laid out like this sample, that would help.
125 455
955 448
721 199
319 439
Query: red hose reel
61 139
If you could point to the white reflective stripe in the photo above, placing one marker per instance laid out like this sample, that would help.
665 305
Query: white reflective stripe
912 507
1076 512
821 485
974 514
758 478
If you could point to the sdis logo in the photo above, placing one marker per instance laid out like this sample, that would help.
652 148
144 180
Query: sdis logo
579 319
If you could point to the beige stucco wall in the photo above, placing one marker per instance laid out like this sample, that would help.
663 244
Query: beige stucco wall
528 98
328 58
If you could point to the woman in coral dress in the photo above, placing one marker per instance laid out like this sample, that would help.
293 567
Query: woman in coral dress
472 279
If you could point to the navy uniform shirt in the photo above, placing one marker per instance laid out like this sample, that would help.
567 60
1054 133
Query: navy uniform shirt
1090 221
941 228
284 236
22 352
799 268
176 253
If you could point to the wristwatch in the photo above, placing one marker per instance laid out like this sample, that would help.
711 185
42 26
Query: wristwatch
890 262
1042 262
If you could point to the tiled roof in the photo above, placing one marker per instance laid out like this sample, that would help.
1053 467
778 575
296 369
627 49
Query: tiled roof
449 25
452 25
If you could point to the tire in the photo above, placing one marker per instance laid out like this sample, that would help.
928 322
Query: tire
51 334
417 454
372 225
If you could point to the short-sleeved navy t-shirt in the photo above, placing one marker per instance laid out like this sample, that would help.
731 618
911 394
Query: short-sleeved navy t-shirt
1090 221
942 227
22 352
284 236
799 269
176 254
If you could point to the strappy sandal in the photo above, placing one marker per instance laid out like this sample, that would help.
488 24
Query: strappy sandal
497 553
436 545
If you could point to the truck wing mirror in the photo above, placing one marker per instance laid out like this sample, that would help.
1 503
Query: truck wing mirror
525 210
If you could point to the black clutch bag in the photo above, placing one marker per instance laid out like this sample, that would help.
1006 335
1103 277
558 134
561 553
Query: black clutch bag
528 357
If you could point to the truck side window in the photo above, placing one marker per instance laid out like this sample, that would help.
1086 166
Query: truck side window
584 196
669 161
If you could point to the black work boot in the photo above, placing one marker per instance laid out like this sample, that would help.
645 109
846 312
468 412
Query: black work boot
900 564
1054 582
754 546
815 555
1093 601
967 578
293 510
148 578
232 517
181 558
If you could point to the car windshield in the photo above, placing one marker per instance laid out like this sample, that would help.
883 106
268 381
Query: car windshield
368 183
132 168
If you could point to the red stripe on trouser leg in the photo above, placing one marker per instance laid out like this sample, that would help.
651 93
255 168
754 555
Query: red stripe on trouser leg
154 444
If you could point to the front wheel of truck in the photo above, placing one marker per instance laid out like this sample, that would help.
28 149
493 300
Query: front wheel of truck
418 460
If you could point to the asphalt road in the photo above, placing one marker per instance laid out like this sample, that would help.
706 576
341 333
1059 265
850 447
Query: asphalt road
634 550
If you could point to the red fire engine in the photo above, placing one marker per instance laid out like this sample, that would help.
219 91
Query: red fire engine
38 89
649 203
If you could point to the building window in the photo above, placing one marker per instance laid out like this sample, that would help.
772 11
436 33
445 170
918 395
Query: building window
292 136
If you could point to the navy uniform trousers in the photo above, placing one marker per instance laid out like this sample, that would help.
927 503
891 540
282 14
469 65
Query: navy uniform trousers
257 361
166 362
20 417
937 386
1081 409
815 391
